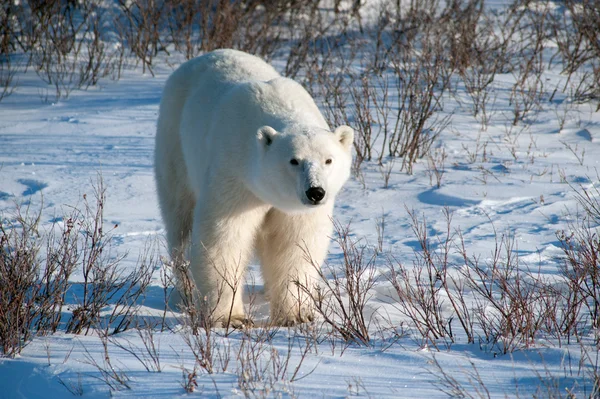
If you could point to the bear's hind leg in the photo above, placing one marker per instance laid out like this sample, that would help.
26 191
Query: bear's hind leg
181 222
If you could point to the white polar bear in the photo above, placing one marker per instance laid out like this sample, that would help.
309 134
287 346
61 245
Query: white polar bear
246 163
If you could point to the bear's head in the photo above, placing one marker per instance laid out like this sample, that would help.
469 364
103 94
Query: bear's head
303 168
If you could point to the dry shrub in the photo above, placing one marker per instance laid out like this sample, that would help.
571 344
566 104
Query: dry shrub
140 25
19 289
33 287
112 375
35 269
575 30
7 74
388 83
149 353
250 351
65 42
549 383
149 27
512 304
581 270
342 299
61 50
72 45
423 289
198 321
501 304
262 369
104 284
7 46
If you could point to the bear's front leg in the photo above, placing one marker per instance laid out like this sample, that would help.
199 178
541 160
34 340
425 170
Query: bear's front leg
222 245
291 250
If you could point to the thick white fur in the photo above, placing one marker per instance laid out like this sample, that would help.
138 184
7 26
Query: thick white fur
228 127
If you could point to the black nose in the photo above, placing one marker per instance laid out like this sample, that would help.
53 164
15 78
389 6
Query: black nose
315 194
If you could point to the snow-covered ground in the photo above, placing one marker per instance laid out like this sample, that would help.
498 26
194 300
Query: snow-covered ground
495 181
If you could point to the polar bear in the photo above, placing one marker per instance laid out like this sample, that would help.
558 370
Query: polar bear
246 165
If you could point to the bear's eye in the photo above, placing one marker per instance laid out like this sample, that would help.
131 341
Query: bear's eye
294 161
328 161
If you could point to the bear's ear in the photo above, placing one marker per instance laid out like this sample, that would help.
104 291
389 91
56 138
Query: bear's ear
265 135
345 134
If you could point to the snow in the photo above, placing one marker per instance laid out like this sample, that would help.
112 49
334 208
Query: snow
495 182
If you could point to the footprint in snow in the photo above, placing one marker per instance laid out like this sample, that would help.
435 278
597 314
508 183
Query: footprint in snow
4 196
585 134
33 186
435 197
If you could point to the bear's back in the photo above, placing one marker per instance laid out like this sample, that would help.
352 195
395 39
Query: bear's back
229 66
